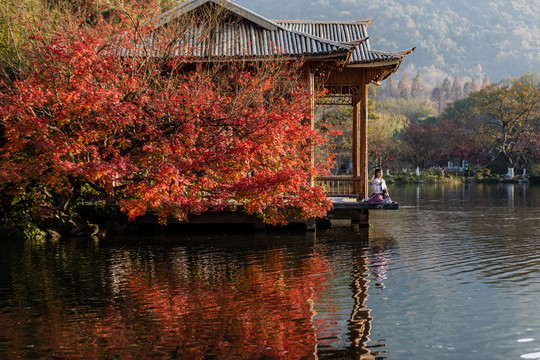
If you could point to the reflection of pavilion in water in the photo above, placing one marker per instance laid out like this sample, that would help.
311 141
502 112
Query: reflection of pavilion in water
367 262
360 321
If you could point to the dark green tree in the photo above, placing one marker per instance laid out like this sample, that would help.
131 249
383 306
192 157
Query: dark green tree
404 87
437 95
457 89
417 87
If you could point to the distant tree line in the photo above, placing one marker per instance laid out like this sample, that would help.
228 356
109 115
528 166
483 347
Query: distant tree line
441 94
493 126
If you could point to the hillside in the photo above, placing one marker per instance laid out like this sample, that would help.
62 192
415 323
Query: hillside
497 38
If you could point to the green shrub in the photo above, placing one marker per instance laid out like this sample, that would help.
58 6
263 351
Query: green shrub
534 170
488 178
428 176
19 211
534 173
451 173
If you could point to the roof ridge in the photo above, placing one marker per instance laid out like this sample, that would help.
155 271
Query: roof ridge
227 4
321 39
365 22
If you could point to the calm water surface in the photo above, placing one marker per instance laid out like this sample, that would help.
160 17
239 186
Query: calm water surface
453 274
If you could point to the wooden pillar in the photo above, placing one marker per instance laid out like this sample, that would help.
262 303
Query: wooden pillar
311 223
360 139
356 142
364 170
311 85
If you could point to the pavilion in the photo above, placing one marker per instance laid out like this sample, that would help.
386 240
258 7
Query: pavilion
336 55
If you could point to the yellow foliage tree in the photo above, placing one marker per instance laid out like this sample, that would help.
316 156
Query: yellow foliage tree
506 118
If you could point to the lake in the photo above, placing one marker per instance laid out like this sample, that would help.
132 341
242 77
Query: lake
453 274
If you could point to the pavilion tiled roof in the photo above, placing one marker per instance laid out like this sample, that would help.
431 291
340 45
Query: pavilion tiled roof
346 32
247 40
254 36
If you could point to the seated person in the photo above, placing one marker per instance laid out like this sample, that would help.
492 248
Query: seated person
380 190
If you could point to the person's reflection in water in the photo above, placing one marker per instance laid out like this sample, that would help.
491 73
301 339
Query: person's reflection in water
379 265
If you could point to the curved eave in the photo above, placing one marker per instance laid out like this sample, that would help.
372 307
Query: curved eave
374 64
382 59
385 67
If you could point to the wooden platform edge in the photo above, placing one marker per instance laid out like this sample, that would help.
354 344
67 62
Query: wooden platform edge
366 206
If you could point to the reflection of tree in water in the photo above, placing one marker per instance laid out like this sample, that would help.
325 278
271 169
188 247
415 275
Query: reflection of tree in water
192 304
258 308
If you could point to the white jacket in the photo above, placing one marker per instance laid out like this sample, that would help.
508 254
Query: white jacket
378 185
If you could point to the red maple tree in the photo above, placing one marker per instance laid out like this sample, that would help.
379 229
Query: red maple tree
159 134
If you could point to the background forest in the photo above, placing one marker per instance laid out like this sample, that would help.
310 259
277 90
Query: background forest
429 113
471 39
491 128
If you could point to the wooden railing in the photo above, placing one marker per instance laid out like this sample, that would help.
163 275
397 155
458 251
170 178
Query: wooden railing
339 186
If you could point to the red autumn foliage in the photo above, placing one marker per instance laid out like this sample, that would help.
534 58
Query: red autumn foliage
430 144
159 136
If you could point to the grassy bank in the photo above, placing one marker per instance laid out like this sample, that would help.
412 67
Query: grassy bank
452 176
